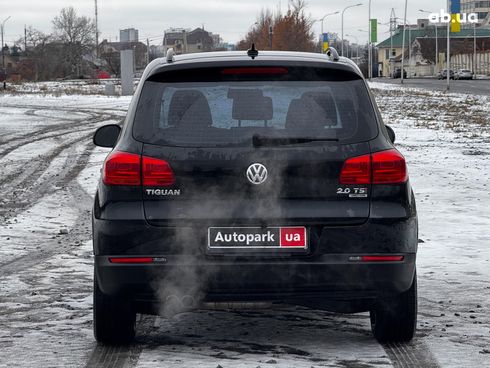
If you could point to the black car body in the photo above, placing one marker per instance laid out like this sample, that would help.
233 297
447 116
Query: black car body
397 73
238 178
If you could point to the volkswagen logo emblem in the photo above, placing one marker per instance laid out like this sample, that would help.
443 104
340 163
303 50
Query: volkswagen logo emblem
257 174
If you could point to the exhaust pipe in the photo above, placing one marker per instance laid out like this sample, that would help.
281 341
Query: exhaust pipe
174 305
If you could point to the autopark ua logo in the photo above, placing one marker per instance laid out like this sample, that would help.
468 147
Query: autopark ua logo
444 17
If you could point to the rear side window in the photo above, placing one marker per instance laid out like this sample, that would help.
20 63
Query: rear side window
230 111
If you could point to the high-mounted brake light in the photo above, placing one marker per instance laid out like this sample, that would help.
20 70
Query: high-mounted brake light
131 260
254 71
123 168
385 167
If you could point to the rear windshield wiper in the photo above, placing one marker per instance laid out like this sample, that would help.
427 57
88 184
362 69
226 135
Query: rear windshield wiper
260 141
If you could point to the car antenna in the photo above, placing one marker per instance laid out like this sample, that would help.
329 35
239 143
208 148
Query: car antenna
252 52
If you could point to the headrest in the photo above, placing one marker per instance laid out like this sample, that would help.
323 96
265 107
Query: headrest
189 107
306 115
250 104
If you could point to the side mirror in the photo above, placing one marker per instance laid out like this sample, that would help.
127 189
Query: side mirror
106 136
391 133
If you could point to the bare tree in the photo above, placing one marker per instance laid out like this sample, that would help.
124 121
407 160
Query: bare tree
292 31
76 33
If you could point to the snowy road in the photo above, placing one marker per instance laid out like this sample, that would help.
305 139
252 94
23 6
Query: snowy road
49 169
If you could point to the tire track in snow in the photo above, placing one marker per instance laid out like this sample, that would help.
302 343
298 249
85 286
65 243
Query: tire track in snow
121 356
415 354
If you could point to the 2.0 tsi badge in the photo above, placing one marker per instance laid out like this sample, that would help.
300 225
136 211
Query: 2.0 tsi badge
257 173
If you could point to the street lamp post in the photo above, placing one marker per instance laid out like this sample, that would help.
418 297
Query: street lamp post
342 35
326 15
370 50
3 55
437 41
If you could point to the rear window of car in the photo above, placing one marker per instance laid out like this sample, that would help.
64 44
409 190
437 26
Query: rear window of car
231 106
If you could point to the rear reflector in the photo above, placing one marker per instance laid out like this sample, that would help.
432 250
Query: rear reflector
122 168
131 260
385 167
157 173
254 71
377 258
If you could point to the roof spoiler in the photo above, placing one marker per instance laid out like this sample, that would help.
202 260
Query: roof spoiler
333 54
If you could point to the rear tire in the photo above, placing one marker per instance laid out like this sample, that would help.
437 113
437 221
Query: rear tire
114 318
394 319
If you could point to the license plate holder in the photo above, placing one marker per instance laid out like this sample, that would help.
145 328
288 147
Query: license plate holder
258 239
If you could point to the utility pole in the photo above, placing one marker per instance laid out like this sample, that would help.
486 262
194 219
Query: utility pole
270 37
96 31
147 51
3 54
403 40
474 51
448 57
25 38
392 29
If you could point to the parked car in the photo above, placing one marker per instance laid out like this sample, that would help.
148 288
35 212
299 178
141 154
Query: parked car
443 74
463 74
243 177
397 73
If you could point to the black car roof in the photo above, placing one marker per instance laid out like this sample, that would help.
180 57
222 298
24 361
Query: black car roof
241 57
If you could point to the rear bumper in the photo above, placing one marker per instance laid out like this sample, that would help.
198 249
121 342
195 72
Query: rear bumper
328 277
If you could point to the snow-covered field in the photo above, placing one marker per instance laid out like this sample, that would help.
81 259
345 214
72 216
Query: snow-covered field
48 176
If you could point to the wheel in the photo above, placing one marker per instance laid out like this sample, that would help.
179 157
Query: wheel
114 318
395 319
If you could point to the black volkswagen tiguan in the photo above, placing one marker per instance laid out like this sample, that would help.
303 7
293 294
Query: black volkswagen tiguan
243 178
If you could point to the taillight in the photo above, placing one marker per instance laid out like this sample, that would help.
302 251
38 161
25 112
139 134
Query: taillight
123 168
385 167
157 173
356 170
389 167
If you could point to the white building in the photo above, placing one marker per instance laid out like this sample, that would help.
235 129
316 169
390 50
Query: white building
128 35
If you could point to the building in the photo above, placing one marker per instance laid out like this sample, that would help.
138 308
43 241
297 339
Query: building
128 35
482 8
185 41
463 54
110 52
422 64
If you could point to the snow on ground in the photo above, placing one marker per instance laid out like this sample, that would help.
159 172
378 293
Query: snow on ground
46 312
45 309
446 140
89 177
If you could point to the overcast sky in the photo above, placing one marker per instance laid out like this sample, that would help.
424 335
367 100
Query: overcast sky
229 18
